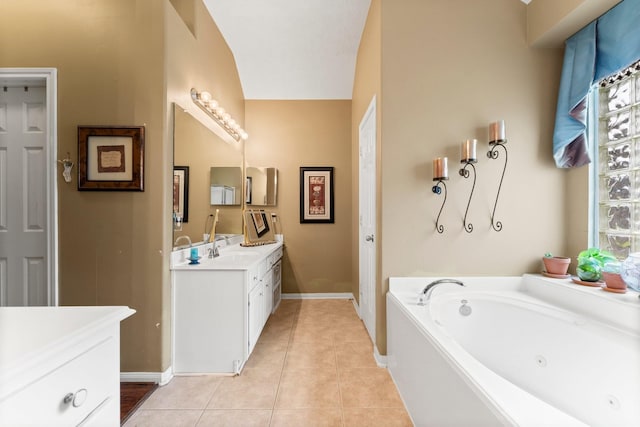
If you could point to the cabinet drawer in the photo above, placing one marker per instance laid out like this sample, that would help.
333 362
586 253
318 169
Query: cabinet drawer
69 393
253 278
277 254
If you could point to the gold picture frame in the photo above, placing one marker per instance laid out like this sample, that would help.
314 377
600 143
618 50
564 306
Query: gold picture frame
111 158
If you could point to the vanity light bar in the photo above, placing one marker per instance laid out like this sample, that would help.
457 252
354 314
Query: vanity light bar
218 114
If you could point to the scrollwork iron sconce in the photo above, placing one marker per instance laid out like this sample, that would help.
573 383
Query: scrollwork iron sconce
497 139
438 190
440 174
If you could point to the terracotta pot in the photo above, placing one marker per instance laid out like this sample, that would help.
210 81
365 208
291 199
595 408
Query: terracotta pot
613 280
556 264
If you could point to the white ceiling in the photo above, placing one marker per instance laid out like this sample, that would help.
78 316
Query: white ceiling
293 49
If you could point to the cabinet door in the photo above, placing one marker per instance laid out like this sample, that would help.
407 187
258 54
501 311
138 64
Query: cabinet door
276 286
267 281
256 315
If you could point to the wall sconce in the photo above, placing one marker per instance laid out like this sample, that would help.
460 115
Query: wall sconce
67 165
440 174
497 139
210 106
468 157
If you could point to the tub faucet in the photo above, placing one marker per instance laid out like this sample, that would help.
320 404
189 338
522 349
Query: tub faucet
182 237
425 295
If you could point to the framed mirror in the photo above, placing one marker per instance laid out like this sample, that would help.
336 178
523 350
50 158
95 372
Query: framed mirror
261 186
226 185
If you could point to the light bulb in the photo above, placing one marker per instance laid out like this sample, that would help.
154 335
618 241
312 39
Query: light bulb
205 96
244 135
220 111
213 104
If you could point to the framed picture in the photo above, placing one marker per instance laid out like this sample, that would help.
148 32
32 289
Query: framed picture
248 190
111 158
181 192
316 195
260 222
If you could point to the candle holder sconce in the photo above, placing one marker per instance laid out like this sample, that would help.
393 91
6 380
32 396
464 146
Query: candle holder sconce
438 190
464 172
494 154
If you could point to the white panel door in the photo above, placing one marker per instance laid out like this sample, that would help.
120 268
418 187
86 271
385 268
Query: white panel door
23 197
367 218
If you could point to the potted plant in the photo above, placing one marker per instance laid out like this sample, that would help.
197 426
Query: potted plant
591 263
612 277
556 265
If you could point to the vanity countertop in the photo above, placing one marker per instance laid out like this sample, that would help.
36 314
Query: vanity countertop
232 257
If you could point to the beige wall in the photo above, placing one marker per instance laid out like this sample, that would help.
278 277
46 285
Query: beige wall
290 134
109 56
444 79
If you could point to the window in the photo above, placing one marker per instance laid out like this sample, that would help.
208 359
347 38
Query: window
618 164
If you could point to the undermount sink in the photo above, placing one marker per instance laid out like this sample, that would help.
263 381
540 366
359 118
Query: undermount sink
233 257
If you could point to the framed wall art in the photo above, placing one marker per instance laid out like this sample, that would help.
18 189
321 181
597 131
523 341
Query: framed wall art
111 158
248 191
316 195
260 222
181 192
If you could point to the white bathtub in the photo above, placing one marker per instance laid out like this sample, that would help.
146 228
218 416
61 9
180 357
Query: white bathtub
533 352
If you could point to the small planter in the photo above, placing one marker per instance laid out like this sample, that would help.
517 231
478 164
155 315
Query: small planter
614 282
557 265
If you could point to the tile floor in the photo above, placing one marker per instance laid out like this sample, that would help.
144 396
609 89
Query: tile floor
313 366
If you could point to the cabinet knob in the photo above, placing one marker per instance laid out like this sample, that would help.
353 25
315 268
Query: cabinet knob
77 398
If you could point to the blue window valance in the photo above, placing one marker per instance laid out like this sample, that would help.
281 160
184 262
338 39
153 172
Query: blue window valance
604 47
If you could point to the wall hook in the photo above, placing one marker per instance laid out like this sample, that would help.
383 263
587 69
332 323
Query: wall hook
437 190
464 172
67 164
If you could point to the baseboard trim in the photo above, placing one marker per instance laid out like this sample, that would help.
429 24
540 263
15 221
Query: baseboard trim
381 360
160 378
357 308
337 295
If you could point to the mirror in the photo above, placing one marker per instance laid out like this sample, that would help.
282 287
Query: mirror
199 149
261 186
226 185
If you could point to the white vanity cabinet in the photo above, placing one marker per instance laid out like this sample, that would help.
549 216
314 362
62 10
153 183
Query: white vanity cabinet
220 309
60 366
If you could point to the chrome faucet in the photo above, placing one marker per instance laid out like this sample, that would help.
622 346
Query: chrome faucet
213 251
425 295
182 237
222 237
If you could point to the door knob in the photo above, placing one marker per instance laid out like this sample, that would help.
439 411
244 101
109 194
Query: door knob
369 238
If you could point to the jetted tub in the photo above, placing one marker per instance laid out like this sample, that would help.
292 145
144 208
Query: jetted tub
526 351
